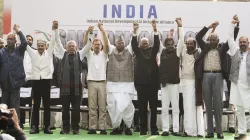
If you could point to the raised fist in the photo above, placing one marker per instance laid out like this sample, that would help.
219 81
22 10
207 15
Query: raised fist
154 25
235 19
135 27
100 26
179 21
55 25
90 29
16 28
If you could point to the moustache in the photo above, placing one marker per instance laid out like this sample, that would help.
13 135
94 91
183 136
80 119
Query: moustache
243 46
213 46
170 49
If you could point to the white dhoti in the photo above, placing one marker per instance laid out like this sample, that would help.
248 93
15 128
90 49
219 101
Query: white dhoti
119 100
241 98
188 92
200 121
170 93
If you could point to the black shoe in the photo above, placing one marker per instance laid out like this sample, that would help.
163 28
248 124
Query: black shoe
154 133
231 130
185 135
176 134
211 135
143 132
103 132
220 136
241 137
137 128
34 130
165 133
52 128
128 132
47 131
92 131
64 132
75 132
200 136
21 126
116 131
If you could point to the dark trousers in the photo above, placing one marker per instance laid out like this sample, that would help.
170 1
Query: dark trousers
11 98
22 112
136 115
228 86
147 94
41 89
75 114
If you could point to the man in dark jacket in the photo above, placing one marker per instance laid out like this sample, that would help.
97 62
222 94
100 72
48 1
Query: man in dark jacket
146 78
210 71
11 69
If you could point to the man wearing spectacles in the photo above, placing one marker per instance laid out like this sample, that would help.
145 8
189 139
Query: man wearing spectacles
11 69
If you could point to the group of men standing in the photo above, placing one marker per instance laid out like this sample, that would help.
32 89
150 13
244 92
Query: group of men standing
114 72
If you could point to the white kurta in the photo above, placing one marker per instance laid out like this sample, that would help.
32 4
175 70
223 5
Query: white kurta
193 115
240 92
27 66
119 98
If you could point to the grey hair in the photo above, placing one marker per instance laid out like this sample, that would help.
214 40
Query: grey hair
1 40
72 41
144 39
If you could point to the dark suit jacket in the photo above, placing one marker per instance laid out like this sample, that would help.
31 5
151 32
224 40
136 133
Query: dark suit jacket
146 70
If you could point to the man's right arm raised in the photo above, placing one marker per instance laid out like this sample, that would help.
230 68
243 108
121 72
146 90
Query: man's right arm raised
58 50
231 42
83 52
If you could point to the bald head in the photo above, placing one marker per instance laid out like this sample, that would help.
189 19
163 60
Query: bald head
191 44
11 40
213 40
1 43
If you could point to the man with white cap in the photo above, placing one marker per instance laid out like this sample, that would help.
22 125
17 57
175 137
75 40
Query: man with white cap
42 70
120 85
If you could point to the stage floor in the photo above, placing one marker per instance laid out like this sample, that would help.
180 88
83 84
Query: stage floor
84 136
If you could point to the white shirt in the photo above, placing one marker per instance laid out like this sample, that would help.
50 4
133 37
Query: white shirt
97 66
42 64
27 66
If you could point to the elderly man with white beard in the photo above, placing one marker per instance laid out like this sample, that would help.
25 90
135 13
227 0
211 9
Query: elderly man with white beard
120 86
